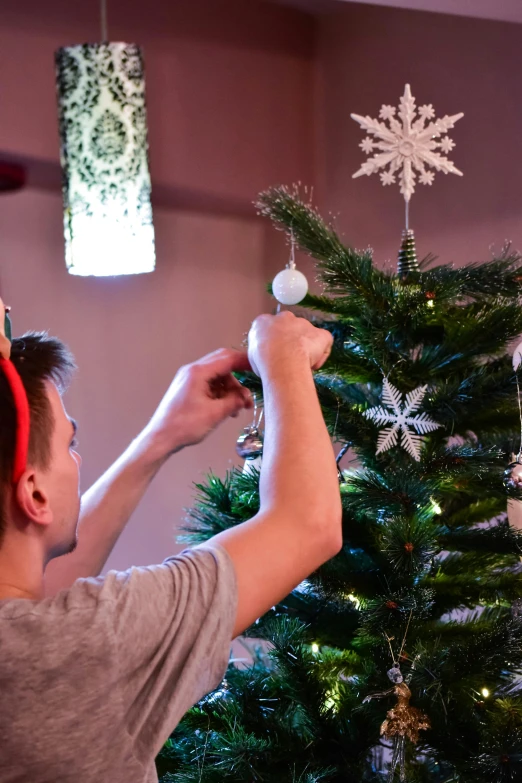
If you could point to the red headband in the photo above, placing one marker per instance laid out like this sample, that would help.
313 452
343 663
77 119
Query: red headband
19 398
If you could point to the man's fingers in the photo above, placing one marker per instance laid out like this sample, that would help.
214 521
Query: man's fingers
233 385
319 363
248 400
233 403
225 361
327 344
237 397
218 367
223 386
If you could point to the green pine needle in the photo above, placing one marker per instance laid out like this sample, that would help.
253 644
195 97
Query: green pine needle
430 566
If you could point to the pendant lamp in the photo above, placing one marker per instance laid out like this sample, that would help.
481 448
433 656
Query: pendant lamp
108 224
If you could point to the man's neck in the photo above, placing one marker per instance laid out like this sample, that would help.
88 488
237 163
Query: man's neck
12 591
21 567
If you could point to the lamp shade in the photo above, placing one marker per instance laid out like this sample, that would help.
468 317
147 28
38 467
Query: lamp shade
106 182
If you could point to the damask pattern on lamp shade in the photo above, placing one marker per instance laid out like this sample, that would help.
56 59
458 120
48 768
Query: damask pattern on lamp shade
106 182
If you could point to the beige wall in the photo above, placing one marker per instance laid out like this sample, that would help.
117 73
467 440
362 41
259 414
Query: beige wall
238 98
366 56
228 106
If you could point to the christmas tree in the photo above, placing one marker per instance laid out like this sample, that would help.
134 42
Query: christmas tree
400 659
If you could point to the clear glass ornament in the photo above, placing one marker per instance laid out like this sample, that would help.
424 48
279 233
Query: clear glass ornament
249 444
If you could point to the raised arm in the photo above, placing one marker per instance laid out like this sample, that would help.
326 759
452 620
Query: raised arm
201 396
298 526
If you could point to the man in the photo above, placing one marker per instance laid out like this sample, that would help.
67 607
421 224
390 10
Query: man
96 672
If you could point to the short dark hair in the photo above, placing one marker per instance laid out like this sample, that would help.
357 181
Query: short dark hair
38 358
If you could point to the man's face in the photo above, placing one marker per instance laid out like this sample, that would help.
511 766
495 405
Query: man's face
62 479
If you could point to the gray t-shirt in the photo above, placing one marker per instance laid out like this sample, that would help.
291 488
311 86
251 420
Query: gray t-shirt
93 681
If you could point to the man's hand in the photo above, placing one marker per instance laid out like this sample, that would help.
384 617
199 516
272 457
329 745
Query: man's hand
277 338
298 526
200 397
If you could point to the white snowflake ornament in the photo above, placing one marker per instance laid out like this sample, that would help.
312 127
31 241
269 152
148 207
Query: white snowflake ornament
401 420
408 144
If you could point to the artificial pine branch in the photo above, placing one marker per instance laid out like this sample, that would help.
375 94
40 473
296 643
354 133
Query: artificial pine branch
427 547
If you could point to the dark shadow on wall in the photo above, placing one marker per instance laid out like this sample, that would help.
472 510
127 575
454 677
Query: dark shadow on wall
46 175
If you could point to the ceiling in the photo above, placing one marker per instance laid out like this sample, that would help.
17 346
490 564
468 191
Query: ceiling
501 10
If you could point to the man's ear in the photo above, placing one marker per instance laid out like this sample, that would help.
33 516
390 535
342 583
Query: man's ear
32 499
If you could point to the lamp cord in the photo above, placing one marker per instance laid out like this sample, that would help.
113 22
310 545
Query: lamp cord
103 15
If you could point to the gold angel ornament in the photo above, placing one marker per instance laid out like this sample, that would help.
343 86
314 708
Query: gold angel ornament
402 722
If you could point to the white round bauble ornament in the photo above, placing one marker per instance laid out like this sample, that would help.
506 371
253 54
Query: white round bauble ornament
290 286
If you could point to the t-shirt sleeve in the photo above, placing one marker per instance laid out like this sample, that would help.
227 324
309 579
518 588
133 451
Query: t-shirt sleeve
173 626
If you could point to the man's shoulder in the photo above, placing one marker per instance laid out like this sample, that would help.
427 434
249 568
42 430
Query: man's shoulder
49 626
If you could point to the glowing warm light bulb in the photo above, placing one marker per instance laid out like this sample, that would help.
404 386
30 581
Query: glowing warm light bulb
315 648
485 692
430 303
353 598
435 507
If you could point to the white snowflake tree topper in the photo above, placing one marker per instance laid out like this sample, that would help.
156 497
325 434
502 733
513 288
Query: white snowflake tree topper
401 420
413 143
